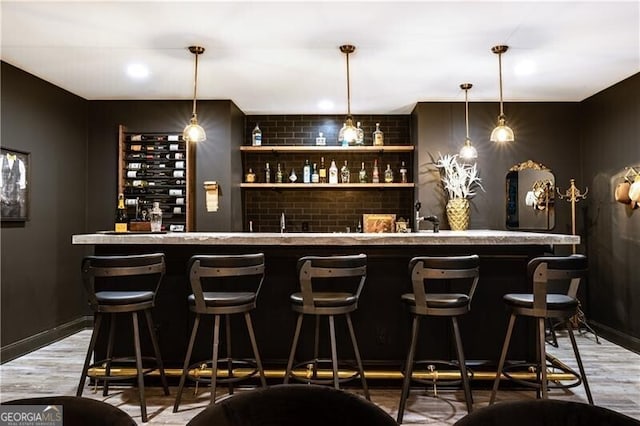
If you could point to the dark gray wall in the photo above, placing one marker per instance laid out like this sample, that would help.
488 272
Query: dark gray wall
610 141
546 133
216 158
41 287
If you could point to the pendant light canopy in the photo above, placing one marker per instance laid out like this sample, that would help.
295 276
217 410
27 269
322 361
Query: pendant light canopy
502 132
348 133
194 132
467 152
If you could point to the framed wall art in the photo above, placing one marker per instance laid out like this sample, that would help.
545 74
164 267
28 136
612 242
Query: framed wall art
14 185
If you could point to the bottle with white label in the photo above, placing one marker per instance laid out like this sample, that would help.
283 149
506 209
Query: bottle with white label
333 172
378 136
256 136
321 140
156 217
306 172
359 134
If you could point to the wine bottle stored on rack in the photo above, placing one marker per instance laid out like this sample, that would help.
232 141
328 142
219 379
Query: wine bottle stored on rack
122 220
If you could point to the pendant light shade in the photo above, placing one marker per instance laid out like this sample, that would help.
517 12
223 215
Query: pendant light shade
349 133
467 152
194 132
502 132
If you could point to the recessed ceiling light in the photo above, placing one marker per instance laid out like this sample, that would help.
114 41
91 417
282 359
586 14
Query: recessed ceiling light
325 105
137 71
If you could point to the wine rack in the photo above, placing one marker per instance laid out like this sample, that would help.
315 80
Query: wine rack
154 167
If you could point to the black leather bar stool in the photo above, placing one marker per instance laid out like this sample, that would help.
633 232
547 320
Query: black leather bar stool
426 270
123 285
223 285
341 271
542 305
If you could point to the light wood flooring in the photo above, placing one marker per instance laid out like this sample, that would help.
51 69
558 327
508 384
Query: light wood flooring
613 373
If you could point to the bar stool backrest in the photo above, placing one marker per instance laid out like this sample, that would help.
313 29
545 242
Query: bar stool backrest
224 266
545 269
322 267
424 269
108 269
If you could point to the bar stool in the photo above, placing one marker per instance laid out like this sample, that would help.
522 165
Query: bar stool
542 305
339 271
114 285
425 270
245 274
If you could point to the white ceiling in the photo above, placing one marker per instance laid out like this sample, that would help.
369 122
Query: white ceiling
283 57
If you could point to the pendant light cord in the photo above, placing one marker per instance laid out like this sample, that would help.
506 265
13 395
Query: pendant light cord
500 73
195 85
466 111
348 89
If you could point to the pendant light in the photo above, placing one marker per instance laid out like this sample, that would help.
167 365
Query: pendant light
194 132
348 134
502 132
467 152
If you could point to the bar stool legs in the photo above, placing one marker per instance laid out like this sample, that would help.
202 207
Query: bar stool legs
334 351
408 370
140 372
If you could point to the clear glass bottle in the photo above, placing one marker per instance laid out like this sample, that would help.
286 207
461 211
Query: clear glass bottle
360 134
306 172
279 174
155 217
333 172
362 175
341 140
375 174
378 136
388 174
256 136
321 140
292 176
315 176
345 173
403 173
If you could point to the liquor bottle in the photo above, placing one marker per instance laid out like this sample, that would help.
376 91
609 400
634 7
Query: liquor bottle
388 175
315 177
122 220
341 139
360 134
279 174
256 136
250 177
362 175
292 176
322 173
378 136
306 172
267 173
403 173
333 172
321 140
375 174
345 174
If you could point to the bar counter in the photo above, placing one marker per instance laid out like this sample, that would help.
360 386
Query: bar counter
381 322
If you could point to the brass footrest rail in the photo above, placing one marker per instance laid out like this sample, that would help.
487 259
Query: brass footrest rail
96 373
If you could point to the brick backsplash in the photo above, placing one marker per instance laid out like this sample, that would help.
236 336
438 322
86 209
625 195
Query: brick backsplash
322 210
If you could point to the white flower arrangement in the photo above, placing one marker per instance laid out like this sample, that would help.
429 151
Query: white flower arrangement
460 180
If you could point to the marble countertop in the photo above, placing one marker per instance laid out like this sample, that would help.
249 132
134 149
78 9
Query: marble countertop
445 237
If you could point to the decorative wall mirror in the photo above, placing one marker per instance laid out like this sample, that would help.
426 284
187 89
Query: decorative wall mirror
530 197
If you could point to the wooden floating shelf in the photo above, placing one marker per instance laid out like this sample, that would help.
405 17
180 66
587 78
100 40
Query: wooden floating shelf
327 185
323 148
